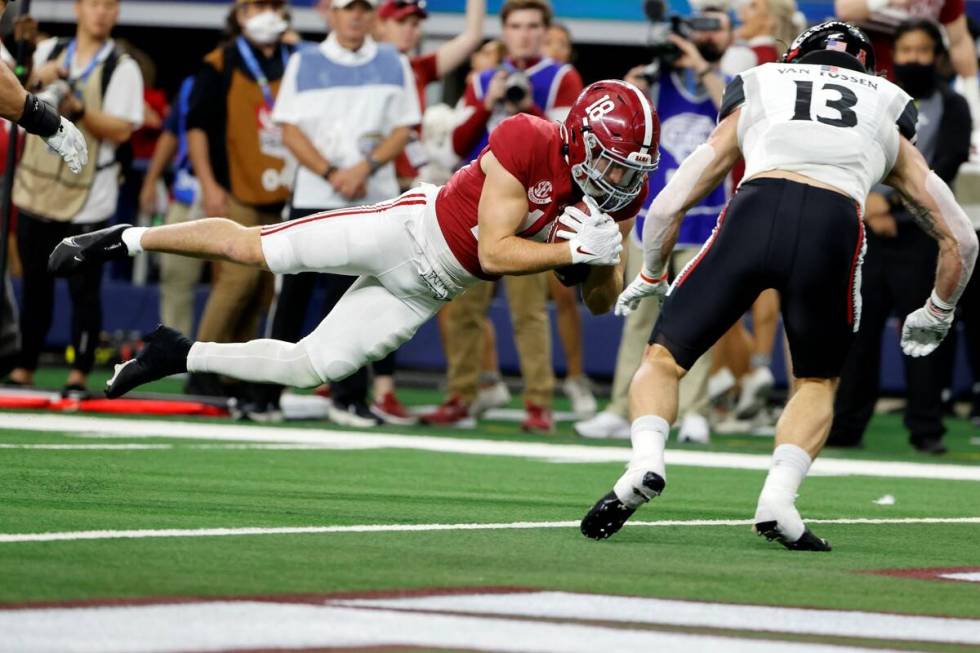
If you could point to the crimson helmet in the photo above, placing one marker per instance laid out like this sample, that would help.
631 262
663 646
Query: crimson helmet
833 36
611 129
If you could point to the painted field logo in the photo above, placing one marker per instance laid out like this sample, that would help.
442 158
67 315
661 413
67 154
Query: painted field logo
955 574
541 193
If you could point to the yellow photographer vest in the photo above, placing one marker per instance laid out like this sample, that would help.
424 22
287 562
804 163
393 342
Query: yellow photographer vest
43 184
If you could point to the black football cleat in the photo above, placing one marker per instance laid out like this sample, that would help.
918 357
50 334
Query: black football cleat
807 542
164 353
609 514
87 249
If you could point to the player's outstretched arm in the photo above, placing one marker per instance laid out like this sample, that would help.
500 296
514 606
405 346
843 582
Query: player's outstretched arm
698 175
935 210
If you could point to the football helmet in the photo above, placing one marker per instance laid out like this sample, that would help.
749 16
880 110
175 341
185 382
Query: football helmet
611 137
833 36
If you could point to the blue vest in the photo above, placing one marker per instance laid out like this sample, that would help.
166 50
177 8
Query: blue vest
543 76
685 123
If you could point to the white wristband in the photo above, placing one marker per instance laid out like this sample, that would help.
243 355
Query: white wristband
131 238
941 304
877 5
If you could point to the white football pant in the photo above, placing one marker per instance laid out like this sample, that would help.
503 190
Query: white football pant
407 274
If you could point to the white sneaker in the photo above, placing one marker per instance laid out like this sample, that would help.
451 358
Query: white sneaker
719 383
756 386
604 425
694 428
495 395
579 390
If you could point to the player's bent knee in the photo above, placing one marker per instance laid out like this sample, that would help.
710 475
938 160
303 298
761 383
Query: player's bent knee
660 356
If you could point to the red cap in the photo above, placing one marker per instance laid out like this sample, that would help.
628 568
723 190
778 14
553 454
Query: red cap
401 9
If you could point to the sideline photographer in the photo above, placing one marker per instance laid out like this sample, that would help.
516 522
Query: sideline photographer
100 89
38 116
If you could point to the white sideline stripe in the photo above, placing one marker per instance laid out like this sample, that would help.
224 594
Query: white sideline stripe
248 625
415 528
141 447
130 428
637 610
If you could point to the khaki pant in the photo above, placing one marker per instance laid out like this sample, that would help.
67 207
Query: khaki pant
526 297
239 294
179 275
636 333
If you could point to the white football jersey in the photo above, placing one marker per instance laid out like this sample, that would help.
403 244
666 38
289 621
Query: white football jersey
832 124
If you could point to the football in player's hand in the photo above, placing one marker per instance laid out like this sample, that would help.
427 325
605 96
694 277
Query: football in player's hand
569 275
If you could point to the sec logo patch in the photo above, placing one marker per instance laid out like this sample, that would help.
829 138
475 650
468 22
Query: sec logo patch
540 193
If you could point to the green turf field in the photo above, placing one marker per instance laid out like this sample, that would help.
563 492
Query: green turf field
210 482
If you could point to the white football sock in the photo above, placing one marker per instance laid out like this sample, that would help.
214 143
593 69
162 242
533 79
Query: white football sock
131 238
649 437
789 467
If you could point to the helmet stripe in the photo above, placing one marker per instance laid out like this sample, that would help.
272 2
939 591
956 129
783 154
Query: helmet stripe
647 119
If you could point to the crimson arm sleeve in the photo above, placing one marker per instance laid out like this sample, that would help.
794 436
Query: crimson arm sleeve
509 144
467 134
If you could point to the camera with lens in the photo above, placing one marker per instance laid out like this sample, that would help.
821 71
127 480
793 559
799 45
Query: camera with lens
662 26
517 87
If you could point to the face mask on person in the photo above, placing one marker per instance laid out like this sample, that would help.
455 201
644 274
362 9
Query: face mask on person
917 79
265 28
711 52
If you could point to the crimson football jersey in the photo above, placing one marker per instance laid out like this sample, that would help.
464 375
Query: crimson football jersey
531 149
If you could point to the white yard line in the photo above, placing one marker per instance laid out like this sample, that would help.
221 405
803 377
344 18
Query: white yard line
265 625
131 428
68 536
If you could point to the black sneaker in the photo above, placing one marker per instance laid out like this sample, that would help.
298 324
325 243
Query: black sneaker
96 247
164 353
930 445
807 542
260 412
356 414
75 391
609 514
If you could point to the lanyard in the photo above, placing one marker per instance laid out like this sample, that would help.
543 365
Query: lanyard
256 70
99 56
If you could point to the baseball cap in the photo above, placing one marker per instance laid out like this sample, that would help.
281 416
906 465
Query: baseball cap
399 9
340 4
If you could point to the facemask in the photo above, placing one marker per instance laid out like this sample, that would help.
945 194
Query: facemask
916 79
265 28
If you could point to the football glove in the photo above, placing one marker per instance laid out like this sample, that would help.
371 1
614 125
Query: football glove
69 143
593 238
926 327
644 285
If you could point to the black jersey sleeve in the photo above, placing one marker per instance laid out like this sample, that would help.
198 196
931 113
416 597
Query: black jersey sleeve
733 98
906 122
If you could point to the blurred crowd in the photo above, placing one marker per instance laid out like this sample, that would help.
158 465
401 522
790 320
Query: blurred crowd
273 127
